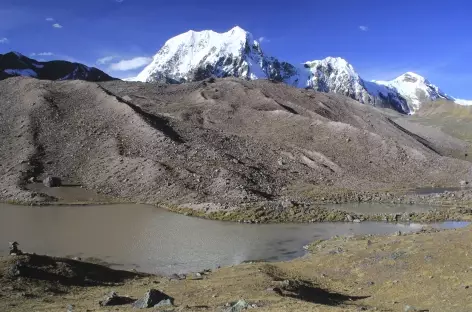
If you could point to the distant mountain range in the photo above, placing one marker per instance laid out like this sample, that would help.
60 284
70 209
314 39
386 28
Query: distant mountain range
194 56
16 64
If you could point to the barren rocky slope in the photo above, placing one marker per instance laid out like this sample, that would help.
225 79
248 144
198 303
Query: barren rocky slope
227 141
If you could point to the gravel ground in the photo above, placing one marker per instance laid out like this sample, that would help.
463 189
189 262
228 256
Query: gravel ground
222 142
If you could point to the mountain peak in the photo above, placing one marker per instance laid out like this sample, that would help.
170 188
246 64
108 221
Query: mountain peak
332 60
16 54
336 60
412 77
416 89
239 33
337 64
237 30
412 74
335 74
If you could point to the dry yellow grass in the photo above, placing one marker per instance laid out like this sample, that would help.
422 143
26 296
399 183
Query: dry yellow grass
431 271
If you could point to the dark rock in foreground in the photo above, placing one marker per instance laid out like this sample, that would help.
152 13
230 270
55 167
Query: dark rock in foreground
238 306
52 182
112 299
154 298
14 250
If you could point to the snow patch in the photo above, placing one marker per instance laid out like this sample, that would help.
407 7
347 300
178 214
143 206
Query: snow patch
463 102
21 72
71 76
18 54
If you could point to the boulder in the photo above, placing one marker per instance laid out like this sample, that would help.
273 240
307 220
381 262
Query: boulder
14 250
112 299
153 298
177 277
52 181
238 306
164 303
15 270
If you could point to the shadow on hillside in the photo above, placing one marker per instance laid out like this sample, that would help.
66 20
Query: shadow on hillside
62 270
307 291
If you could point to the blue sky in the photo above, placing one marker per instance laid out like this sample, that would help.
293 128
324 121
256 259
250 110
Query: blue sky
380 38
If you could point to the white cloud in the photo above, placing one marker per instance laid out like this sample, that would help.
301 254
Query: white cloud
133 63
106 59
57 25
364 28
49 19
262 39
4 40
43 54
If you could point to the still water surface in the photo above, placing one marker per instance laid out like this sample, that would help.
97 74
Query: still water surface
153 240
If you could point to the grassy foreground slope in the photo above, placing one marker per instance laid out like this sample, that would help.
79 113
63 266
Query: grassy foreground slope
430 271
452 119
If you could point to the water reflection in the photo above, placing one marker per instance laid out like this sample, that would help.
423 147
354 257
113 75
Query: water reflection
157 241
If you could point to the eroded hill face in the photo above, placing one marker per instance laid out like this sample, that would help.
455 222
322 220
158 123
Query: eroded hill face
229 141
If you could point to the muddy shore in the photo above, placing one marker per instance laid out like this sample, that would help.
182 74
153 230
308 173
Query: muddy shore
444 204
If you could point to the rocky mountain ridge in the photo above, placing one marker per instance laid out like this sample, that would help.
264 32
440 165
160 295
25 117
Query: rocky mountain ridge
14 64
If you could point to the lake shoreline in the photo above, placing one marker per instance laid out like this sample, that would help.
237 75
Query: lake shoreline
447 204
152 239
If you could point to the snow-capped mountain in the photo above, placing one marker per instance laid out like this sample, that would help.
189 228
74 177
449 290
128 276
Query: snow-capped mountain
198 55
15 64
415 89
337 75
194 56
